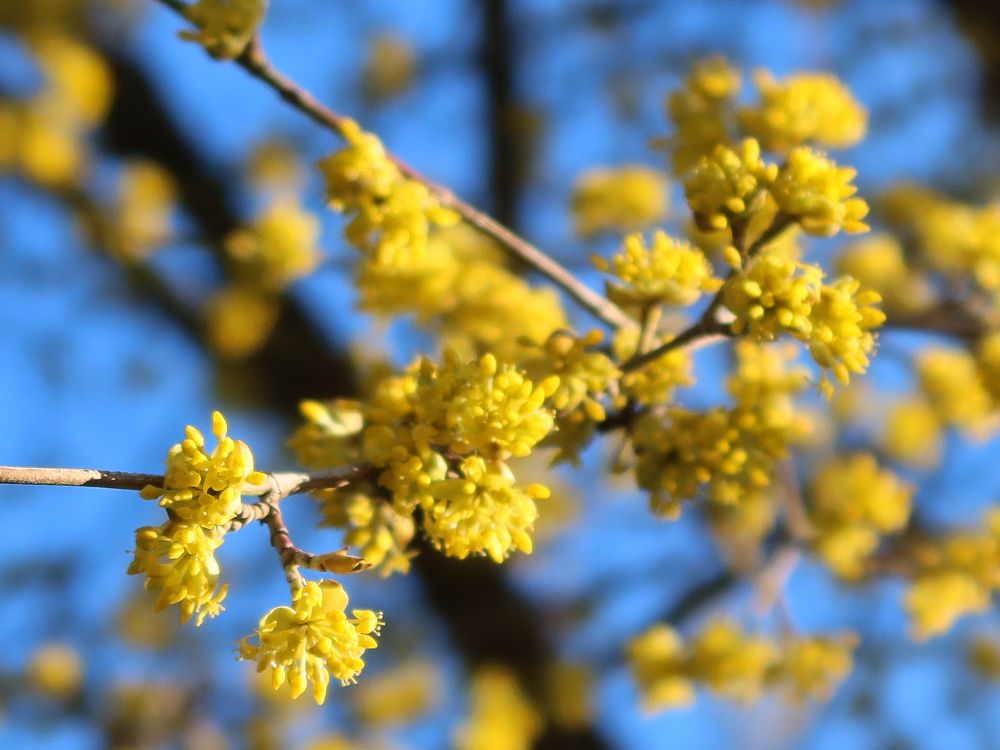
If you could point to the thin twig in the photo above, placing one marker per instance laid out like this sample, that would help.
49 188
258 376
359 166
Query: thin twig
256 63
286 482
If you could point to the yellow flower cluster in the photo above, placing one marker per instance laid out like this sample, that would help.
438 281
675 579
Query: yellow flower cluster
44 136
878 263
55 670
391 214
201 493
956 575
728 452
330 437
585 374
699 111
399 695
140 218
852 503
205 488
225 27
279 247
391 67
912 433
842 335
625 199
776 293
178 559
312 639
735 665
655 382
440 438
728 185
668 270
806 108
460 290
954 387
817 193
501 717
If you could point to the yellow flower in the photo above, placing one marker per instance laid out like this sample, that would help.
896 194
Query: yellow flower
814 667
312 639
483 406
735 665
55 670
239 320
391 215
202 488
501 717
328 437
775 293
699 111
481 511
585 374
936 601
878 263
279 247
391 66
954 387
727 185
623 199
225 27
142 213
817 193
658 663
913 433
669 271
399 695
852 503
655 382
841 335
806 108
178 560
80 83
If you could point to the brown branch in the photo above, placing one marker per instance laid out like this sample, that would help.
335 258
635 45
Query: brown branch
256 63
281 484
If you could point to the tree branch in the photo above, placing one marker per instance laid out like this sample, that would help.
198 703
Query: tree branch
256 63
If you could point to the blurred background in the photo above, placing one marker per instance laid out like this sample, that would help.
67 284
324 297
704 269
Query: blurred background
507 102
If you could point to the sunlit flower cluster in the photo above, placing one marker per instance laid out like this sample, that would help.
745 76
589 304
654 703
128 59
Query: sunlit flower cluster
205 488
728 184
954 387
735 665
818 194
201 493
806 108
313 640
278 247
225 27
585 373
665 270
853 503
440 438
956 575
878 263
776 293
655 382
141 217
725 452
625 199
501 717
391 215
698 111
